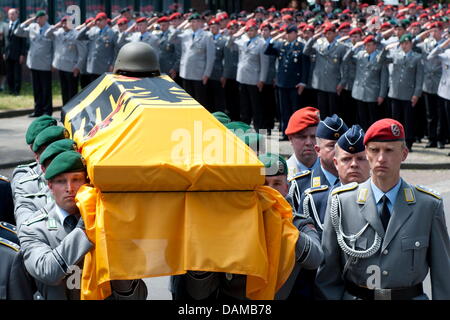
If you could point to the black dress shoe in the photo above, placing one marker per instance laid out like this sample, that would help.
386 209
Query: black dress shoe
34 115
431 144
440 145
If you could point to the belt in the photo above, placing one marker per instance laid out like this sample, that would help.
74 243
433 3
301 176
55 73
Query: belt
384 294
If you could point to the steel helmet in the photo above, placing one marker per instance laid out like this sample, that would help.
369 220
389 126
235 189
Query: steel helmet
137 57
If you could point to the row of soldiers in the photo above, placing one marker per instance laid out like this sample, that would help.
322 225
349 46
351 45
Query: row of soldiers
331 192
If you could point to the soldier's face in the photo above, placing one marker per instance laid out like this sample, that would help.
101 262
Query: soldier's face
101 23
385 158
303 143
251 33
437 34
142 27
12 14
65 187
123 27
370 47
325 150
214 29
308 34
399 31
164 26
266 32
355 38
351 167
291 36
406 46
330 35
278 183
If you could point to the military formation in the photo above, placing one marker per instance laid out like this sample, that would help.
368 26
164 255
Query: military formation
365 232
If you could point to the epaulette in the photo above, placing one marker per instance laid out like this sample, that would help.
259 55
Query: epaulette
317 189
429 191
9 244
34 195
10 227
29 178
345 187
4 178
300 174
35 219
29 165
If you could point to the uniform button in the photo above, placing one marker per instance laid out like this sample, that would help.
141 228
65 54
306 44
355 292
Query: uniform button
385 252
385 273
417 244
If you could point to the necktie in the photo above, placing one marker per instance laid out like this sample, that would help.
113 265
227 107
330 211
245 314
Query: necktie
193 36
70 223
142 37
385 214
248 43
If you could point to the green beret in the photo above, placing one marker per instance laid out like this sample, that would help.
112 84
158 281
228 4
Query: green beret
57 147
67 161
237 125
49 135
194 16
274 163
337 10
40 13
406 37
222 117
37 126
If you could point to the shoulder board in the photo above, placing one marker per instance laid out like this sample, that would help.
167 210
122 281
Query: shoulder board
29 178
8 226
429 191
35 219
34 195
317 189
27 165
4 178
9 244
345 187
300 174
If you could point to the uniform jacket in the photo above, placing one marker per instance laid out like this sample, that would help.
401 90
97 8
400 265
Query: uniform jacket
231 59
327 69
405 74
40 54
253 63
432 69
293 65
416 241
197 55
70 53
169 52
101 48
23 169
14 46
219 45
6 201
146 37
371 77
28 203
444 83
15 282
348 68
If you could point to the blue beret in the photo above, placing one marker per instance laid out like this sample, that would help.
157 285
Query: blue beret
331 128
291 28
352 141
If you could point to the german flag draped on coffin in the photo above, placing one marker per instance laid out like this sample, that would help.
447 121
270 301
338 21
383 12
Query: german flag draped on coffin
172 190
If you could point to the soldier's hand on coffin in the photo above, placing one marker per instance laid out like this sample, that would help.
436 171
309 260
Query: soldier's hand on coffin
172 73
111 68
414 100
300 88
21 59
380 100
223 81
339 89
205 80
75 72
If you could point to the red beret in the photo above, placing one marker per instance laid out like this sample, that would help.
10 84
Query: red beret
369 39
287 17
385 130
302 25
302 119
162 19
344 25
412 5
363 5
89 20
309 27
222 16
415 24
213 21
285 10
272 9
265 25
174 16
250 24
385 25
346 11
232 23
101 15
122 21
388 7
423 15
329 27
142 19
354 31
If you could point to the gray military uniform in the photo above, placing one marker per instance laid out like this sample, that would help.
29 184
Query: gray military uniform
371 76
101 48
70 53
432 68
169 52
327 68
40 54
416 241
146 37
27 204
253 64
21 170
197 55
444 57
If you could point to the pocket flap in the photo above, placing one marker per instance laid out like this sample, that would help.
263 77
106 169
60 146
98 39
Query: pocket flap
414 243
